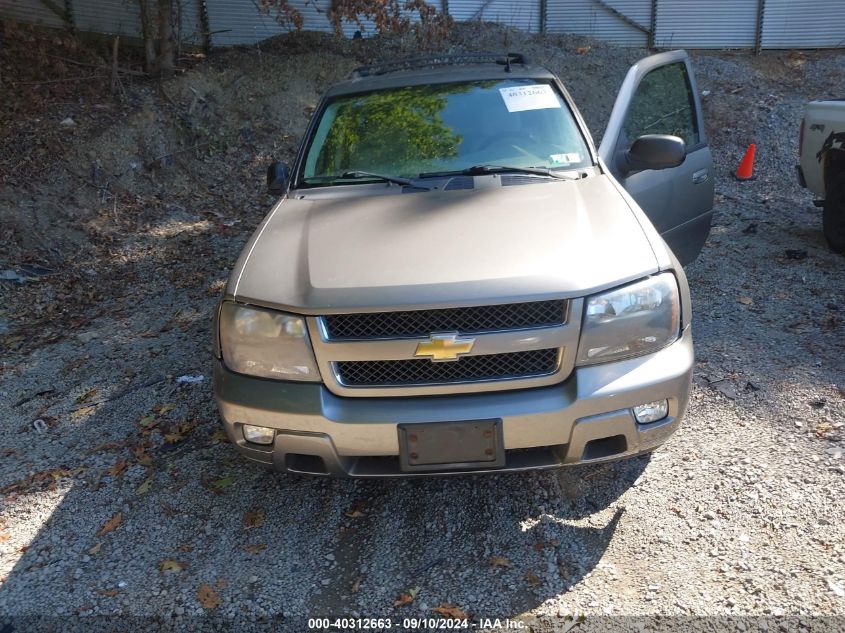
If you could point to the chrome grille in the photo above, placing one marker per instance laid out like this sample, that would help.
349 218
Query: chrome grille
472 320
482 368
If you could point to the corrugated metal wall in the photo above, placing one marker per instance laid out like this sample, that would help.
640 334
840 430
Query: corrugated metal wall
30 11
111 17
234 22
804 23
587 17
678 23
523 15
115 17
711 24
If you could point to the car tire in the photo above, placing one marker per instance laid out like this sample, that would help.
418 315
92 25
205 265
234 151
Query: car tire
833 213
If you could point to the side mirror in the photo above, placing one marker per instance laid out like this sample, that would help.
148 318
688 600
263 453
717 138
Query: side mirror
278 176
653 151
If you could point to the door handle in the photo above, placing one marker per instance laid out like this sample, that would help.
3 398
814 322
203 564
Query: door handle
702 175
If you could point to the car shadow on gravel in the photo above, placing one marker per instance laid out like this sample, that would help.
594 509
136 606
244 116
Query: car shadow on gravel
214 535
493 546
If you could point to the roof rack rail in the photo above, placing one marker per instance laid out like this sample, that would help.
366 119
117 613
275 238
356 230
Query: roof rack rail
412 63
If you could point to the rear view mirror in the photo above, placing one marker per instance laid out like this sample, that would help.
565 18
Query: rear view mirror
653 151
278 176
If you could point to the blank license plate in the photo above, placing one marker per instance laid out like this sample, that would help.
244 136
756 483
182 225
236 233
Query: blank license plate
451 445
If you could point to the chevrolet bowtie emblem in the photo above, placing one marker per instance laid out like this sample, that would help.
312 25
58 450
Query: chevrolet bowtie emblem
444 347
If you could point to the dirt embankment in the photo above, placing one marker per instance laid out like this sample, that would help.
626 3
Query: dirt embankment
122 212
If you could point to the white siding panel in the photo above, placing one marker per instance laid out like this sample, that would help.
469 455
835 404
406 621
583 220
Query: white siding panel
804 24
711 24
586 17
29 11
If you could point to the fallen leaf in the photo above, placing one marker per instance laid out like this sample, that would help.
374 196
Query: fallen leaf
357 510
224 482
186 547
823 428
254 519
9 452
499 561
450 611
147 422
86 395
746 301
532 578
108 446
80 413
172 438
4 536
219 436
356 585
96 549
111 593
406 597
144 488
164 408
141 455
207 597
119 466
112 524
255 549
171 565
583 49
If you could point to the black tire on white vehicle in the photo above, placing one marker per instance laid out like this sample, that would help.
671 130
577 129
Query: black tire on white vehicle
833 214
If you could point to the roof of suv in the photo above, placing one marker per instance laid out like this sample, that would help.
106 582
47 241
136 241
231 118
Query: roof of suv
438 69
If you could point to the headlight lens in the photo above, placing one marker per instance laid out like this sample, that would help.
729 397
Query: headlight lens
636 319
266 343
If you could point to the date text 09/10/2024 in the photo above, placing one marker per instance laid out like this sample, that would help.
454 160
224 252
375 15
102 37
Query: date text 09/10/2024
411 624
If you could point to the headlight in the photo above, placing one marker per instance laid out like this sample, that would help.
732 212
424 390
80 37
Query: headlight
266 343
636 319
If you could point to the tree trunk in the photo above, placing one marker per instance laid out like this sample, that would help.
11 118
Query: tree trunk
149 37
167 44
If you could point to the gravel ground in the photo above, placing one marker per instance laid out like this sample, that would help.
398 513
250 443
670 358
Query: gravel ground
126 501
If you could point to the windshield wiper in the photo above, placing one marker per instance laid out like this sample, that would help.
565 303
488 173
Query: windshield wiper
483 170
394 179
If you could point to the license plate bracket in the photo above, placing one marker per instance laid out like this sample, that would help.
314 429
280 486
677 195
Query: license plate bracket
466 444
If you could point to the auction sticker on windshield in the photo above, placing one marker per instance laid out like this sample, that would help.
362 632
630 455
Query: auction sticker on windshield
535 97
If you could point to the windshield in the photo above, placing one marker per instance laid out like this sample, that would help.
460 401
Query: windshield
415 130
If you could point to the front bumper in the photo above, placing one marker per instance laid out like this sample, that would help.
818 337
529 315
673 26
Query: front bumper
586 418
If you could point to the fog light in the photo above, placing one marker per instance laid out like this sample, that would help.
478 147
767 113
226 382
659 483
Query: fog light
651 412
258 434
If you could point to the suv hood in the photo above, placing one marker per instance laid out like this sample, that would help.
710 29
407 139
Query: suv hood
488 245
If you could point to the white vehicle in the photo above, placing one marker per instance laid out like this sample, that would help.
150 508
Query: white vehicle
822 164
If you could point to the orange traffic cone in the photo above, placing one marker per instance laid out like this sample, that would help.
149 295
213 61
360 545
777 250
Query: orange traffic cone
746 166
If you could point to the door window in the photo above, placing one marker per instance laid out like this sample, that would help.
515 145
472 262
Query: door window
663 104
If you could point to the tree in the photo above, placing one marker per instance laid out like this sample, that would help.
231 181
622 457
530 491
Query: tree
161 58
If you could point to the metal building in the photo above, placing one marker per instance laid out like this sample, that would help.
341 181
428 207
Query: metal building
756 24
